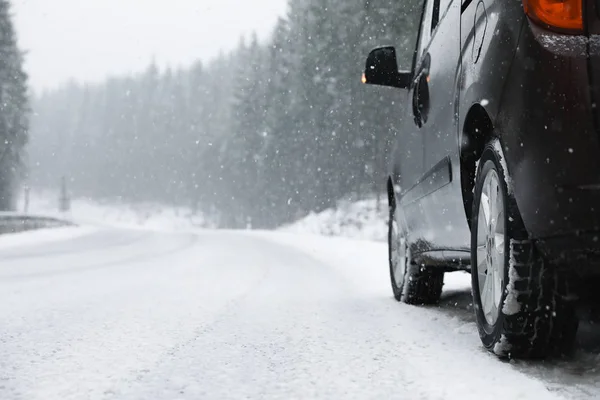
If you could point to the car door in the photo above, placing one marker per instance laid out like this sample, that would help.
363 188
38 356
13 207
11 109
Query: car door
408 154
435 108
441 60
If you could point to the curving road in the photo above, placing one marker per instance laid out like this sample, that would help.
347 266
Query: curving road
99 313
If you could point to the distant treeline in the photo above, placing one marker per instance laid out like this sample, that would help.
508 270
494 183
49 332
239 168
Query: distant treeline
259 136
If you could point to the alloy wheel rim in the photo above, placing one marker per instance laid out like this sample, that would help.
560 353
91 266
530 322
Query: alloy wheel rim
490 247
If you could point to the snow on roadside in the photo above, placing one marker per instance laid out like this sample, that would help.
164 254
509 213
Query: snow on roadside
86 211
359 220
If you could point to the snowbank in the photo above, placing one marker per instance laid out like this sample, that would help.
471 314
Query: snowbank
114 213
359 220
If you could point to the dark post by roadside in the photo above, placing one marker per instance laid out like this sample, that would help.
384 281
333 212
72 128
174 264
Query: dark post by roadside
64 202
26 202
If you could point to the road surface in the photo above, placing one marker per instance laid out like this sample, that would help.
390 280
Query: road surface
100 313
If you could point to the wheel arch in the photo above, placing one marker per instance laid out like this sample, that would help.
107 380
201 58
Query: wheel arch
477 130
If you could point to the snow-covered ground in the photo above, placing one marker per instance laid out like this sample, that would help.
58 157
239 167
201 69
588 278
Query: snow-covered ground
132 314
110 313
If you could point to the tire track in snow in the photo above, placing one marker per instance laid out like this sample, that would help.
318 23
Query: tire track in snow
74 247
128 260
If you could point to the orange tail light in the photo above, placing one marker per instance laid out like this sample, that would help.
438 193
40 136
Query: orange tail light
566 15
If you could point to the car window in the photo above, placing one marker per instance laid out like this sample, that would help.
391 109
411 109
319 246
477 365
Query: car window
435 16
439 10
406 23
427 26
444 4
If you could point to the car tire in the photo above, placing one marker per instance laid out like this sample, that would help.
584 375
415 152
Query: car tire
411 283
520 301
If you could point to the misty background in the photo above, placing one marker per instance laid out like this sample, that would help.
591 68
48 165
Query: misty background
271 127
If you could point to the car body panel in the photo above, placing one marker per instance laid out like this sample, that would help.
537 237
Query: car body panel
547 128
435 77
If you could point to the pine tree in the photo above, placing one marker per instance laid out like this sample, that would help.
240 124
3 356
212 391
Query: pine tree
280 134
14 110
249 136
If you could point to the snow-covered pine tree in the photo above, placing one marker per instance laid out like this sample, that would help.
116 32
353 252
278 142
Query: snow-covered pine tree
246 152
14 111
280 130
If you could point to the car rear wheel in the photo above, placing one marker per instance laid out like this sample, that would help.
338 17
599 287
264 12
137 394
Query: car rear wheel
519 300
411 283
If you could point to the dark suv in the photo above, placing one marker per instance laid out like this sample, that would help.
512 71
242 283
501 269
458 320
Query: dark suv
496 169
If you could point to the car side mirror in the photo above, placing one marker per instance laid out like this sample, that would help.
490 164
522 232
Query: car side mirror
382 69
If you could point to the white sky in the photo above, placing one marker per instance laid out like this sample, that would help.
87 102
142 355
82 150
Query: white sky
90 39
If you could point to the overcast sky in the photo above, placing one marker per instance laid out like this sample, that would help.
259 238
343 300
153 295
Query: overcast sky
90 39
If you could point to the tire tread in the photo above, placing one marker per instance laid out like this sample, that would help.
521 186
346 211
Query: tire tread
423 285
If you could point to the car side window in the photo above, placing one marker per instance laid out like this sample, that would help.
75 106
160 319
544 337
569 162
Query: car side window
435 16
430 19
444 5
439 9
434 12
425 34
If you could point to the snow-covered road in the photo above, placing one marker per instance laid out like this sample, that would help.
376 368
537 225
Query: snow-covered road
99 313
